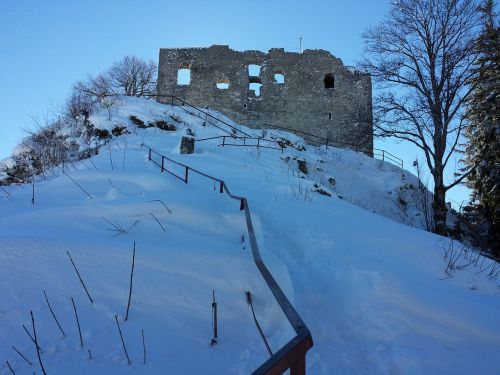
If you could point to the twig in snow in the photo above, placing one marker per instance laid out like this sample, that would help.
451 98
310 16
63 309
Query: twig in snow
124 152
115 227
214 320
10 368
90 159
36 343
249 301
6 192
22 356
158 221
131 280
110 157
163 203
77 322
52 312
78 273
77 184
123 342
446 277
143 347
31 337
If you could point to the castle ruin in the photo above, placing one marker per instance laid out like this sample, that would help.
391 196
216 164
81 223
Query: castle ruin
310 91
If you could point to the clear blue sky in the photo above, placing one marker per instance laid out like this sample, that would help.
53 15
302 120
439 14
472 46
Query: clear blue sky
45 46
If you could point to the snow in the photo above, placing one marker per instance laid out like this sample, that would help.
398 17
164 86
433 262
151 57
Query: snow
372 290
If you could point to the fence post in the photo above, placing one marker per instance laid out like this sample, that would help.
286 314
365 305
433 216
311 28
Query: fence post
172 100
149 155
222 187
223 141
186 175
258 142
299 367
383 155
162 163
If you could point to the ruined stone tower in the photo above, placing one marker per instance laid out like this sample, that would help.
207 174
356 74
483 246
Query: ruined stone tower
310 91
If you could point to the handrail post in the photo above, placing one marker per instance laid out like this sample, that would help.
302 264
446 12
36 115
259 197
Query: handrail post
299 367
223 141
383 155
162 163
149 155
258 142
242 205
186 175
222 187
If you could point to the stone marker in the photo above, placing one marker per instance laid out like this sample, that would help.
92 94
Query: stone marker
187 145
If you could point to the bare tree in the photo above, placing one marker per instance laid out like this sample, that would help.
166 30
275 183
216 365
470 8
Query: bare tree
420 58
94 90
132 76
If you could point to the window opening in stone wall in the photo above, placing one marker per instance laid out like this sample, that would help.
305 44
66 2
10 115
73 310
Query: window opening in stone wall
255 87
254 70
222 85
184 76
279 78
329 116
329 81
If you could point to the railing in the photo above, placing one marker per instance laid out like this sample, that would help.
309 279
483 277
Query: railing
204 115
387 156
311 138
247 141
292 356
316 139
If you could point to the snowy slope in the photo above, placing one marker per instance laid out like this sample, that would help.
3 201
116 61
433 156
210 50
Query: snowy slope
373 291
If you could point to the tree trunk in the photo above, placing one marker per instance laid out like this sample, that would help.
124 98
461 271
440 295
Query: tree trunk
439 203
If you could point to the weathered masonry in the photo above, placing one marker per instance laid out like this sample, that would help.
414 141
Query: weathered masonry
310 91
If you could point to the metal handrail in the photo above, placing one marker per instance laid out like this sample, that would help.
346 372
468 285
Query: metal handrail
331 142
293 355
326 141
208 117
258 144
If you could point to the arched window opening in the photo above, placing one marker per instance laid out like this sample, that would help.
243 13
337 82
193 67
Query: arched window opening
183 76
329 81
279 78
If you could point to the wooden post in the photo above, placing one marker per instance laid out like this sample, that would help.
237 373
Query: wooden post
149 155
299 367
162 163
221 187
383 154
186 175
258 142
223 141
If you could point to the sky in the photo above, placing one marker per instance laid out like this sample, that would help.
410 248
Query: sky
46 46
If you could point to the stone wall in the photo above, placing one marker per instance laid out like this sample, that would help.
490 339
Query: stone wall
342 111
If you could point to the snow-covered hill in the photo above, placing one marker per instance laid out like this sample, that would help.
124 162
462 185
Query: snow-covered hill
374 292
